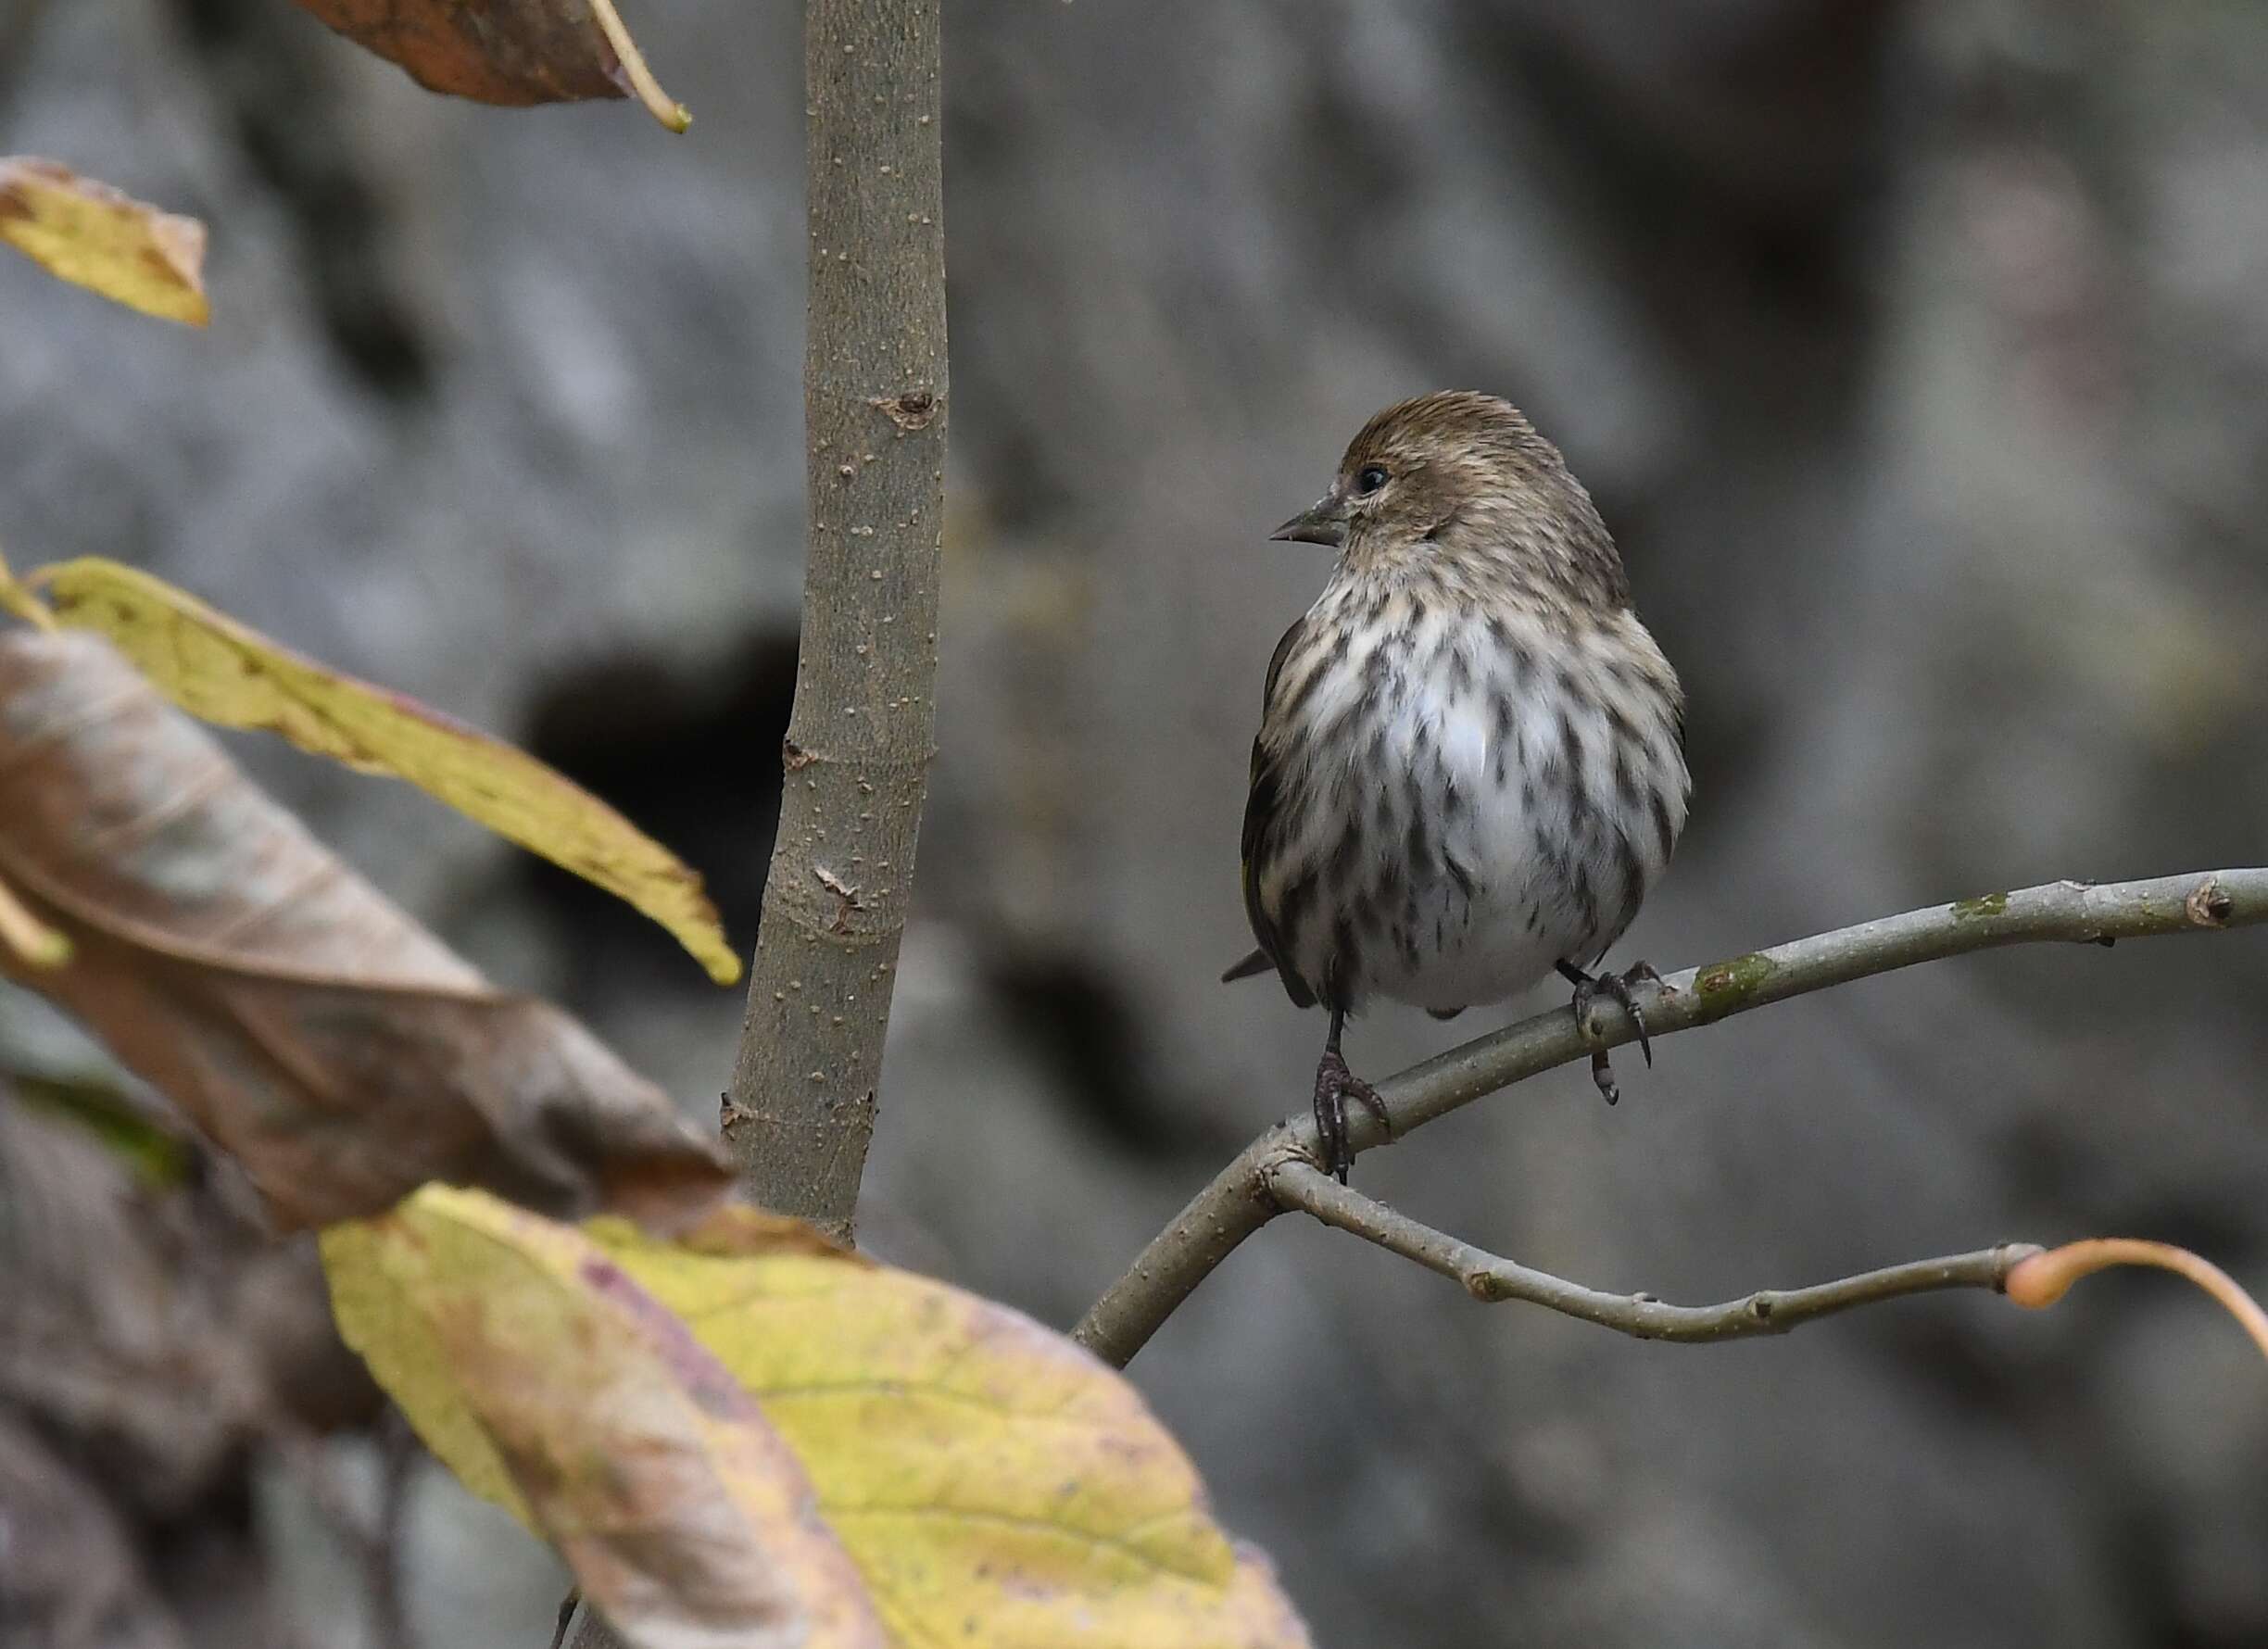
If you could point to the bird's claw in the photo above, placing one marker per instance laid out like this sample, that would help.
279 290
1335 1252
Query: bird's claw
1334 1086
1616 987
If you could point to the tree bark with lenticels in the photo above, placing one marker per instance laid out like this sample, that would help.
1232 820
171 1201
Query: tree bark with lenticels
802 1107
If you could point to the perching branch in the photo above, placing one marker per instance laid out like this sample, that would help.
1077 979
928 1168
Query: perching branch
1244 1195
802 1103
1489 1279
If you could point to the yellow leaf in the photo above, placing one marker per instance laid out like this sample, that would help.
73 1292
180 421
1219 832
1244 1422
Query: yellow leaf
225 672
995 1484
89 235
556 1386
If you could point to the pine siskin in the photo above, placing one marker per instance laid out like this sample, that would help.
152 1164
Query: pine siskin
1471 762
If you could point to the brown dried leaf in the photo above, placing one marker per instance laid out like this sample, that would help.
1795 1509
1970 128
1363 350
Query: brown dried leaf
89 235
338 1050
511 52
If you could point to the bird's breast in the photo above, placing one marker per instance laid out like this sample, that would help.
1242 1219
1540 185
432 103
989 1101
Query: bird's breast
1469 794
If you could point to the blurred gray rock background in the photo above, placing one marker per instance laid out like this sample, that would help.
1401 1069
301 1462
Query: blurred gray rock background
1918 355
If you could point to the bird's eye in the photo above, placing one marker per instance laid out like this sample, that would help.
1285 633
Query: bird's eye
1370 480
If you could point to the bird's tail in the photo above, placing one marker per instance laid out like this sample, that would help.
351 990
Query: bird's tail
1258 963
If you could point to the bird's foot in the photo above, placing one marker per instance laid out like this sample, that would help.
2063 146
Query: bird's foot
1335 1084
1616 987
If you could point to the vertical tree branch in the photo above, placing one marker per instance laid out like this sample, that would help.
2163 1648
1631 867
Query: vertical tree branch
856 765
802 1102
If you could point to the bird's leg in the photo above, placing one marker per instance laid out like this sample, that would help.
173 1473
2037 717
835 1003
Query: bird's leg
1616 987
1334 1086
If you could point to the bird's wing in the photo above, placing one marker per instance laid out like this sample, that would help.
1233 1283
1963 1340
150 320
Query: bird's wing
1259 814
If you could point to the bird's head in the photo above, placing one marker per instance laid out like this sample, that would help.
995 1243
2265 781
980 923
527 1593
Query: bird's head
1464 476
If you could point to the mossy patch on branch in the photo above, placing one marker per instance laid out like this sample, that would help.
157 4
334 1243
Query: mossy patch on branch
1723 986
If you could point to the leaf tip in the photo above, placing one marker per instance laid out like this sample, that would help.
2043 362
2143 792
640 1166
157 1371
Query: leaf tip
33 941
48 950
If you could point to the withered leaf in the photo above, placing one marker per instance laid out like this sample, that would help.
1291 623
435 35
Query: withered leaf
224 672
511 52
608 1427
343 1053
89 235
992 1482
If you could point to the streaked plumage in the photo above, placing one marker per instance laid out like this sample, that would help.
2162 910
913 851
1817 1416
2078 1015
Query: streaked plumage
1471 764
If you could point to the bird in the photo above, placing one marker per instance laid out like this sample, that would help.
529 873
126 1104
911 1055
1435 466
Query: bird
1470 768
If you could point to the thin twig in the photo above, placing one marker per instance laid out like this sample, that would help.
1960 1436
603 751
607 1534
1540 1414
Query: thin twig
1241 1199
398 1454
1490 1278
312 1472
659 103
2042 1280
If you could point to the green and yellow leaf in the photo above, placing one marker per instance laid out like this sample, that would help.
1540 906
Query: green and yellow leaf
993 1483
560 1389
231 674
89 235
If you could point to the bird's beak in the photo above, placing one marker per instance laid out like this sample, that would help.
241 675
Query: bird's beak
1323 521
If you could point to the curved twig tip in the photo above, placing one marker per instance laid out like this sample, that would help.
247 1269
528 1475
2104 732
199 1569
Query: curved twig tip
2041 1280
671 113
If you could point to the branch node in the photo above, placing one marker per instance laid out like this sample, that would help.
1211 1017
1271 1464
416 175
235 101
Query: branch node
910 410
2209 905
